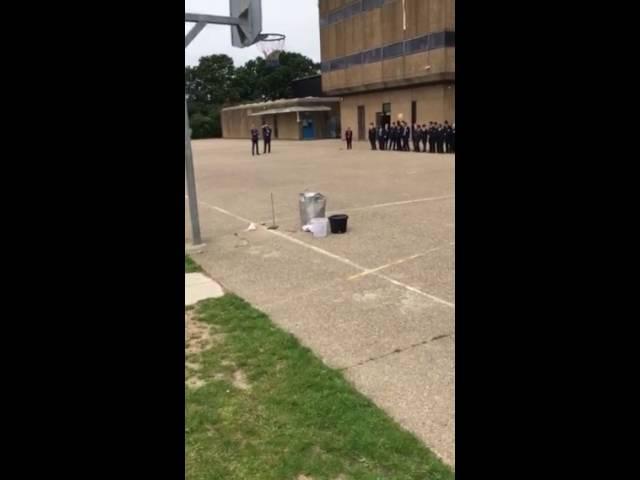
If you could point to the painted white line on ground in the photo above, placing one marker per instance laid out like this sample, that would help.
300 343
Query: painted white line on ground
403 202
397 262
379 205
346 261
326 253
415 290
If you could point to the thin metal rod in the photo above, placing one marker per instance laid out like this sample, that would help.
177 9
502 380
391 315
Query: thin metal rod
191 180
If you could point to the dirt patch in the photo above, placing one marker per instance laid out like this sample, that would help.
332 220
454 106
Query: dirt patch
303 477
193 366
198 334
240 380
194 382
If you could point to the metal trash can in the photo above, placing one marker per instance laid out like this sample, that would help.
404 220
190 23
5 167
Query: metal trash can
312 205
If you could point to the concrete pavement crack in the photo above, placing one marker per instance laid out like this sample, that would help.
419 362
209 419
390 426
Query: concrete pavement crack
397 350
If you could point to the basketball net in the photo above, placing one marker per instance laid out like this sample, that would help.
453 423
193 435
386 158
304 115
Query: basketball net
271 46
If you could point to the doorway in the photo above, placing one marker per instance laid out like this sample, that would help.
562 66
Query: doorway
308 129
361 122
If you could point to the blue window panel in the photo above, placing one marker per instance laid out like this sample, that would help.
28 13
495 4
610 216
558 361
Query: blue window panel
337 64
436 40
371 4
372 56
392 51
416 45
356 8
449 39
352 60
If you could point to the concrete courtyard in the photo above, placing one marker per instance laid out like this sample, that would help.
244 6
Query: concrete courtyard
377 302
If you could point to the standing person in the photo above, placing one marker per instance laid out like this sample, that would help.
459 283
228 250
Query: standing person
387 137
392 136
348 136
381 140
432 138
255 137
425 136
407 136
440 138
266 137
417 136
453 138
399 135
447 137
372 136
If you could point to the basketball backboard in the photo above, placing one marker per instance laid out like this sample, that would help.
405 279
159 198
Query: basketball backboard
250 12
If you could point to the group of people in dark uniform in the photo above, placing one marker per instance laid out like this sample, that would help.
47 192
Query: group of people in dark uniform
440 138
255 138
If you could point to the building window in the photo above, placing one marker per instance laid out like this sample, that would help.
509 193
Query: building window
416 45
414 112
371 4
436 40
352 60
372 56
449 39
394 50
386 108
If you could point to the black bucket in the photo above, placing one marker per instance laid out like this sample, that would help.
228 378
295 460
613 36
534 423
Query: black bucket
338 223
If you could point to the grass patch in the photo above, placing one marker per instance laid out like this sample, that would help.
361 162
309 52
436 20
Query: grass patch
291 416
190 266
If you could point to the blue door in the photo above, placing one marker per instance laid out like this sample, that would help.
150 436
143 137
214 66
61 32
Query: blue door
308 131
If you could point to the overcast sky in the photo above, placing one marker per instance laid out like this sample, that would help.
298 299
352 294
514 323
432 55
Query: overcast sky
297 19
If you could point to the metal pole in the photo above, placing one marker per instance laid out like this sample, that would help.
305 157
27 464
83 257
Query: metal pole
201 21
191 180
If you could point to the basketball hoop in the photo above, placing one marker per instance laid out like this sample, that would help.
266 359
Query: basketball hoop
271 45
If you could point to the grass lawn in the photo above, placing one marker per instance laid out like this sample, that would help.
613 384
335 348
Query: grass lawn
190 266
261 406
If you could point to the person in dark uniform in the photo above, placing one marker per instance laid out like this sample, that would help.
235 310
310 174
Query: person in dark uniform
372 136
423 138
447 137
440 138
387 137
381 140
399 136
392 136
432 138
348 136
416 137
453 138
266 137
255 136
407 137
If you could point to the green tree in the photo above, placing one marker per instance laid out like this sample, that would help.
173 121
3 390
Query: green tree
215 83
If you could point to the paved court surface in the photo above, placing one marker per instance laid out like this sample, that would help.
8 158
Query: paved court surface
378 302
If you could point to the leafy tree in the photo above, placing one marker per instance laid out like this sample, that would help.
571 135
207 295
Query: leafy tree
215 83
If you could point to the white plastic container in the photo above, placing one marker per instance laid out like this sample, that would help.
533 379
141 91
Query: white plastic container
319 227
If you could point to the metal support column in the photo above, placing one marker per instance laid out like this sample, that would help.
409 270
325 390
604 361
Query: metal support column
191 180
